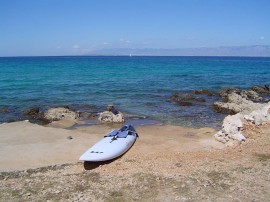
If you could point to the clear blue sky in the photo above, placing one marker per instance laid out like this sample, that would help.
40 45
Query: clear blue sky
59 27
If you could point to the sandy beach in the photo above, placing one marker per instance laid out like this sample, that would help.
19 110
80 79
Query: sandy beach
25 145
167 163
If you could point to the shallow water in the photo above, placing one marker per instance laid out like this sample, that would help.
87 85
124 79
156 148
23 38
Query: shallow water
136 85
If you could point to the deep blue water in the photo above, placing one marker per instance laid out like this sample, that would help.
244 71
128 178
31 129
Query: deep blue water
136 85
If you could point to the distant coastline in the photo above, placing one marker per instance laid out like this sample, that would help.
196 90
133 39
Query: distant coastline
221 51
191 56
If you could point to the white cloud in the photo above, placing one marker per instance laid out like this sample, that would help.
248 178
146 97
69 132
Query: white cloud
262 38
105 43
75 46
190 38
124 40
58 47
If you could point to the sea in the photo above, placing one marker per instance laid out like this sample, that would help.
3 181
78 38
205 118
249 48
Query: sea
138 86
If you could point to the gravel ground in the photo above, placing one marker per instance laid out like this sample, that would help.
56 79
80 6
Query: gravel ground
241 173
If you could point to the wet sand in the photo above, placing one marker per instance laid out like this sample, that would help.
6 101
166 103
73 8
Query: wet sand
24 145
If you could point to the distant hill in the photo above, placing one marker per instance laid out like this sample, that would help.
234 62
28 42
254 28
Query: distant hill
256 50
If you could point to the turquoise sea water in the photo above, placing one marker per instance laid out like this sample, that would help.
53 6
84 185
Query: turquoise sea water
136 85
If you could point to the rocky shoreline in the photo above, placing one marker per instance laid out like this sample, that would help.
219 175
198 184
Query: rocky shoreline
184 165
227 100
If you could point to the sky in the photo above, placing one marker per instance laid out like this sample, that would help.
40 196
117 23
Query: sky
72 27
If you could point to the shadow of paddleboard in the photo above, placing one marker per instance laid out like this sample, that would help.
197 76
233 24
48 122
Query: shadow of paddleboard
89 165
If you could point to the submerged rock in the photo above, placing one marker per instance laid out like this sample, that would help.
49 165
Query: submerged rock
185 99
204 92
31 111
261 89
87 115
184 103
59 113
2 111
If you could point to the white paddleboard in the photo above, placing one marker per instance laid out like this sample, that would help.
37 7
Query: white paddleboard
109 148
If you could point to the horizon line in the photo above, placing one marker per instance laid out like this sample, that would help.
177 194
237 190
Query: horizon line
132 55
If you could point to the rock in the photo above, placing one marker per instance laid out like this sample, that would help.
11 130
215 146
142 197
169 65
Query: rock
219 136
110 117
238 136
266 110
4 111
205 92
260 116
222 107
57 192
251 95
249 118
231 129
184 103
31 111
261 89
224 92
247 94
178 97
185 99
59 113
112 109
87 115
200 99
236 103
232 126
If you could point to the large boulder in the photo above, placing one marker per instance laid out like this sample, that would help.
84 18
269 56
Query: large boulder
31 111
260 116
225 92
231 129
59 113
110 117
235 104
251 95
